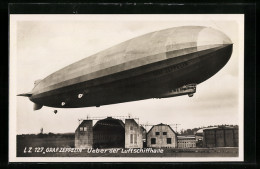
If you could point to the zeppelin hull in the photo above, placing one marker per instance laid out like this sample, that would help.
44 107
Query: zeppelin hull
135 85
145 67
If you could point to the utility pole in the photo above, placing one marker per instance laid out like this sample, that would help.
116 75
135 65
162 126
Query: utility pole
146 125
176 127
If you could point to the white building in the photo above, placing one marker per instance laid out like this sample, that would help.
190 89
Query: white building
161 136
186 142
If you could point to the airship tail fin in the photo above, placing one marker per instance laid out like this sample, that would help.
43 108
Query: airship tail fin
25 94
37 106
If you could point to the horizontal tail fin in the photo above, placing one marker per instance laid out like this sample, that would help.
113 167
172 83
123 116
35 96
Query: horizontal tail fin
25 94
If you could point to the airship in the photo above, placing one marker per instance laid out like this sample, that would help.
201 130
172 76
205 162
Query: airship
160 64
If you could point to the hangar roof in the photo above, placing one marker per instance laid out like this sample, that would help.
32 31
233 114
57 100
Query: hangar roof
109 121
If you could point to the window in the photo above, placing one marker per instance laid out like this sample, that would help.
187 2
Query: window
81 129
131 127
153 140
164 133
131 138
157 133
135 138
85 128
169 140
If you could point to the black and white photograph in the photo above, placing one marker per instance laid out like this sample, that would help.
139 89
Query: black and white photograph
126 88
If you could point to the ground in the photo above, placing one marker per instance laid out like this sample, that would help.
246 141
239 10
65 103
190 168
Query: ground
59 145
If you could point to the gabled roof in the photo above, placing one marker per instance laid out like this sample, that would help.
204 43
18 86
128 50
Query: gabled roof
132 121
83 123
161 124
142 127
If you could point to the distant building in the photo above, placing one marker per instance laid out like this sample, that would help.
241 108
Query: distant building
109 133
186 141
84 135
199 138
224 136
199 135
161 136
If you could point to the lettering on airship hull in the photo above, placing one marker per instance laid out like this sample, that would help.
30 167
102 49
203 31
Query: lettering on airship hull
171 68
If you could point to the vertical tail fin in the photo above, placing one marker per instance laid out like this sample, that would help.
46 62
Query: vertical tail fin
37 106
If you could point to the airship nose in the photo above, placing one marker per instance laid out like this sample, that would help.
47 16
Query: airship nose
218 47
210 36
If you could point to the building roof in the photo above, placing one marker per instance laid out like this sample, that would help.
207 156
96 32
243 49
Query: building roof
142 127
221 128
186 137
200 131
109 121
161 124
82 124
133 120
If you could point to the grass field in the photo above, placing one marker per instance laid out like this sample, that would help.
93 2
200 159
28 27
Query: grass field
39 145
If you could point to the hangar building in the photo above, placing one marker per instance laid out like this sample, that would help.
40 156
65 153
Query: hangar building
225 136
109 133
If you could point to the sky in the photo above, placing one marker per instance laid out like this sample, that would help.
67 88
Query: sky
43 44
